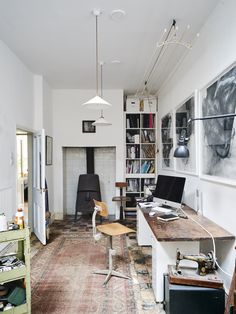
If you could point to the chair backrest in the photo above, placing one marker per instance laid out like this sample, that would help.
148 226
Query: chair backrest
101 209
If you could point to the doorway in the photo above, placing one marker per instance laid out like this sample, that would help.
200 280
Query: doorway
24 173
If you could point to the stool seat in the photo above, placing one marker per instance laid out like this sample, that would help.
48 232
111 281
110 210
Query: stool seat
121 184
114 229
121 198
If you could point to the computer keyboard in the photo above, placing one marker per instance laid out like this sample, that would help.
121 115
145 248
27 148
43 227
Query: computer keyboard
161 209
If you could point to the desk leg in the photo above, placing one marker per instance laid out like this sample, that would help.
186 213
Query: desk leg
164 254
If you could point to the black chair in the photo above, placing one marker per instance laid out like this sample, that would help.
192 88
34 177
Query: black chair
87 190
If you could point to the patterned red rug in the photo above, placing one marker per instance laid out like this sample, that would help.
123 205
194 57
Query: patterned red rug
63 280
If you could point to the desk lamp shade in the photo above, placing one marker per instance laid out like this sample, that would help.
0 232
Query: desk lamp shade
182 150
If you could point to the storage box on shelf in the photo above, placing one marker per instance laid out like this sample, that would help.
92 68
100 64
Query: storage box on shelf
140 149
18 276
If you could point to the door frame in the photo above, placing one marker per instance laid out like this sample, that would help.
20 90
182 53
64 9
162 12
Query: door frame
29 134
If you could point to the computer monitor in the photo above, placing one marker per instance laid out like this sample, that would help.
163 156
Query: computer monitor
169 191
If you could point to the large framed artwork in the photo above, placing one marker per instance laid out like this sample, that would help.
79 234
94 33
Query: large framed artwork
218 149
183 113
167 141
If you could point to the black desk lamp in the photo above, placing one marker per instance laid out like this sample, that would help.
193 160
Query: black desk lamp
182 150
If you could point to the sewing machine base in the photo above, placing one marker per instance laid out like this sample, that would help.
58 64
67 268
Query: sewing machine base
184 299
189 276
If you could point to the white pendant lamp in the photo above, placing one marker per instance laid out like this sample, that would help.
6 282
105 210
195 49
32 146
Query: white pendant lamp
97 102
101 121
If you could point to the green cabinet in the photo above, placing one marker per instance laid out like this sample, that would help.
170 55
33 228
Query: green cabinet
22 239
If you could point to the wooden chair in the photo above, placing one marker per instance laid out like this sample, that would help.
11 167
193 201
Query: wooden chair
109 230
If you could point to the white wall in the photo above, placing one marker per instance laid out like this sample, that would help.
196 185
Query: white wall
16 110
213 52
21 106
47 113
68 114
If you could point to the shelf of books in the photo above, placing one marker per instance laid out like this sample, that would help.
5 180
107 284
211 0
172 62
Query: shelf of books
140 151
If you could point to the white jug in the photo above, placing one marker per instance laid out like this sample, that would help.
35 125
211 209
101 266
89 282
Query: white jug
3 222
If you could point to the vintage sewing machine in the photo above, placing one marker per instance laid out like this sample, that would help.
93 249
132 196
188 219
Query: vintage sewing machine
206 263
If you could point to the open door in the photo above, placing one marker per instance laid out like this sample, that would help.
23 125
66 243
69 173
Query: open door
39 186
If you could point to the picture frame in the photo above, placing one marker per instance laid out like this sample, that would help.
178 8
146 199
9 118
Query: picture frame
49 150
218 141
88 127
167 141
185 111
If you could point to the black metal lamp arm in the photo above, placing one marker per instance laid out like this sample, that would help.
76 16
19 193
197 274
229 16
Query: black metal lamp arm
182 151
227 115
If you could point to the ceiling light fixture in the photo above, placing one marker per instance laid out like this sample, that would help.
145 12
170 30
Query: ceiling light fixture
97 102
169 37
117 15
101 121
175 40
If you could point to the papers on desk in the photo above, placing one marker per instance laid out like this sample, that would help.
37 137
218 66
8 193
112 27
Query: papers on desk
148 204
161 210
155 207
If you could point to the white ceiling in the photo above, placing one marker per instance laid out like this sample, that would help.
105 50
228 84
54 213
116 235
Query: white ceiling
56 38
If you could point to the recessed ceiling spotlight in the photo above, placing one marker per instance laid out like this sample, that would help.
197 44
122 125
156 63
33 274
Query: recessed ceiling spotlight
117 14
115 61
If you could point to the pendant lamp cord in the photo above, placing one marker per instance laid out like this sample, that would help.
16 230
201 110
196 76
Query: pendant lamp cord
96 54
101 69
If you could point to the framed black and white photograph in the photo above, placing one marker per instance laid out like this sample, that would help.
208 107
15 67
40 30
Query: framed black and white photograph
88 127
167 141
183 113
48 150
218 149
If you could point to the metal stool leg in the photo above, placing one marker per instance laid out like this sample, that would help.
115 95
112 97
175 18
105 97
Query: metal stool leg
110 271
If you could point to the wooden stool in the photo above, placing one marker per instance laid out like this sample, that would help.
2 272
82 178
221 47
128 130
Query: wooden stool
109 230
121 198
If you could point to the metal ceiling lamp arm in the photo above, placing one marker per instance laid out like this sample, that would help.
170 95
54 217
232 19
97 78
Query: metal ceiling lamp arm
182 150
159 54
227 115
148 74
97 102
101 121
96 35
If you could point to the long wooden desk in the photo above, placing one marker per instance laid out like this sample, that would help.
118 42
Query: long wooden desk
166 237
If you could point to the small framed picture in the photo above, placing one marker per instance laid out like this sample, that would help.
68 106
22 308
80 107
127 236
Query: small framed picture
88 127
48 150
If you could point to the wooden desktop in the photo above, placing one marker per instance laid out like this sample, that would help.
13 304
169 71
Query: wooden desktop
166 237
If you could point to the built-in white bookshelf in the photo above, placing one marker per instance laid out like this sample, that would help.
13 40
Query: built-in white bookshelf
140 149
